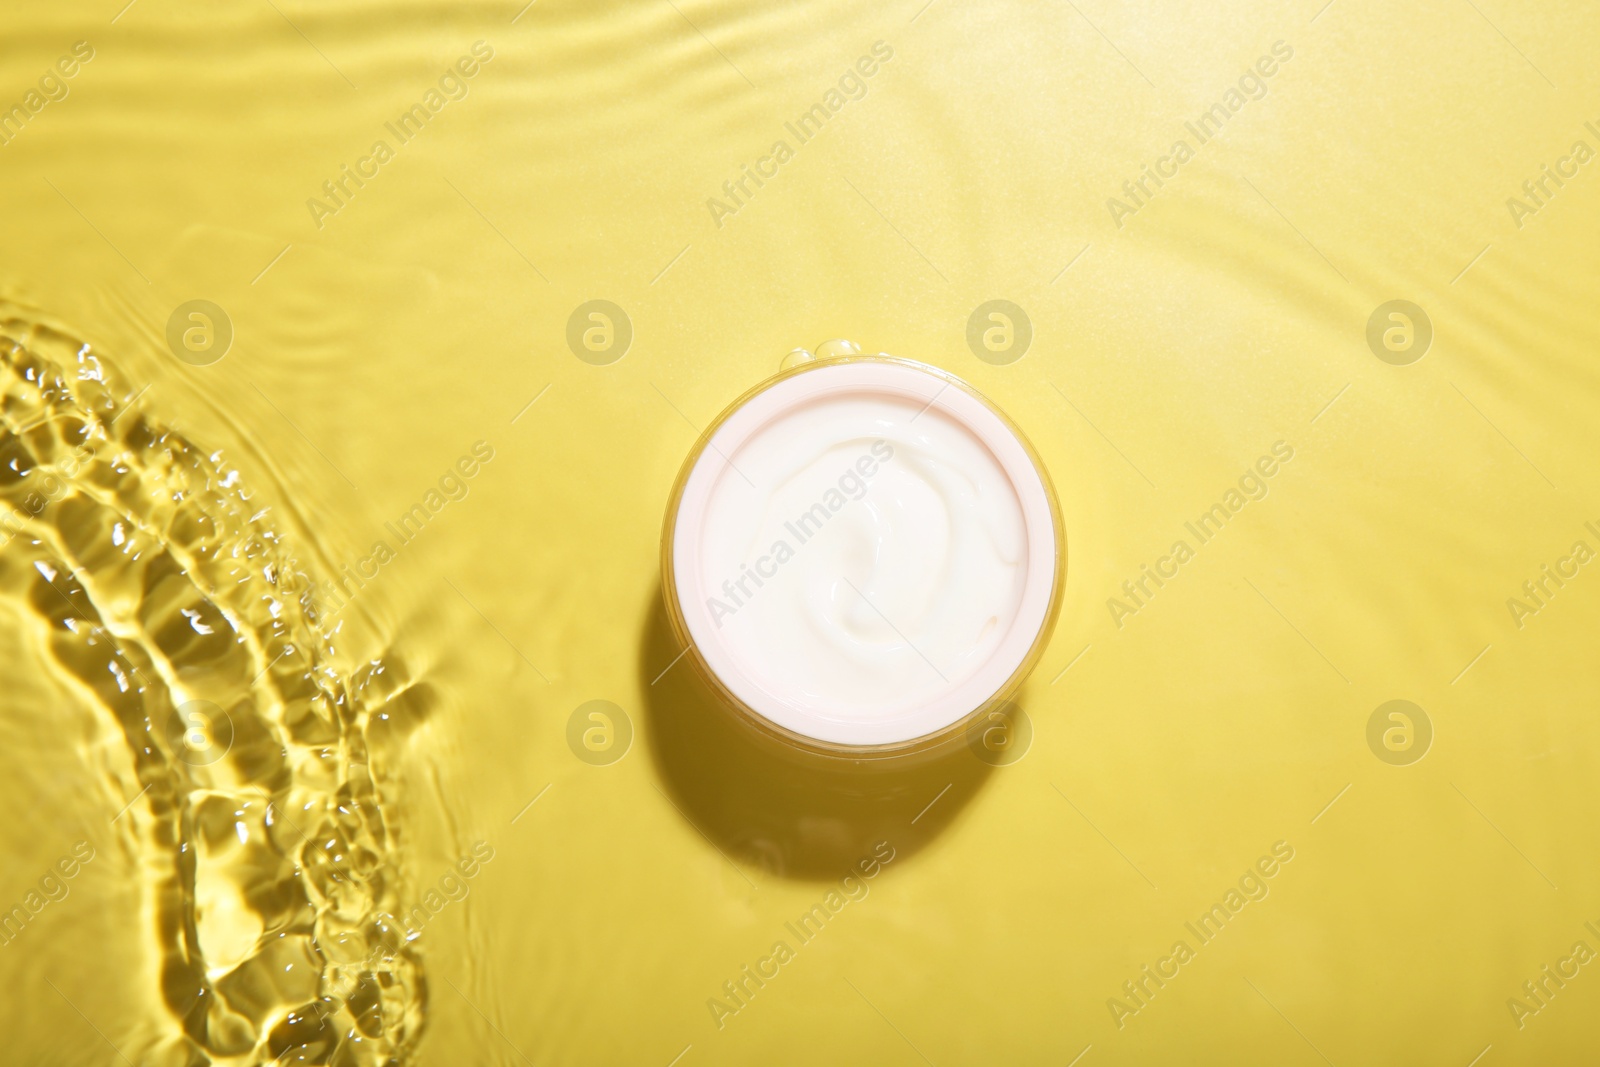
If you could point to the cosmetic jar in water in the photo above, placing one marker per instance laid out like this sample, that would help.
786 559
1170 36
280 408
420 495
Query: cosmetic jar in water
862 555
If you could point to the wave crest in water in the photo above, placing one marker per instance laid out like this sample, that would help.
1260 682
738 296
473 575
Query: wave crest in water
158 590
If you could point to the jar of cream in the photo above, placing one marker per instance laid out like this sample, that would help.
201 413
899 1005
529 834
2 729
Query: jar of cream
862 555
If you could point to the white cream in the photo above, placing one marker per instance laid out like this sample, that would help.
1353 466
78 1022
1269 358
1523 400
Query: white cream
860 556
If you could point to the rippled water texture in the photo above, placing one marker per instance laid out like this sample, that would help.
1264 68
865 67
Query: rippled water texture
146 574
340 719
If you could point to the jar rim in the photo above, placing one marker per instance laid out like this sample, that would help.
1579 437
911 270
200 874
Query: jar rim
932 721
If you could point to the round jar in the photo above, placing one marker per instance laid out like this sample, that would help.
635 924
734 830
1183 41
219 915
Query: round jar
862 555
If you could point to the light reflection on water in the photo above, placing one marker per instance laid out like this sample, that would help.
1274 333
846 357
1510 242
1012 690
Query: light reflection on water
423 309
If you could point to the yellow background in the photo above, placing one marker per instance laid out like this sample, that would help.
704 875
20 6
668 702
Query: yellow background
1222 317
